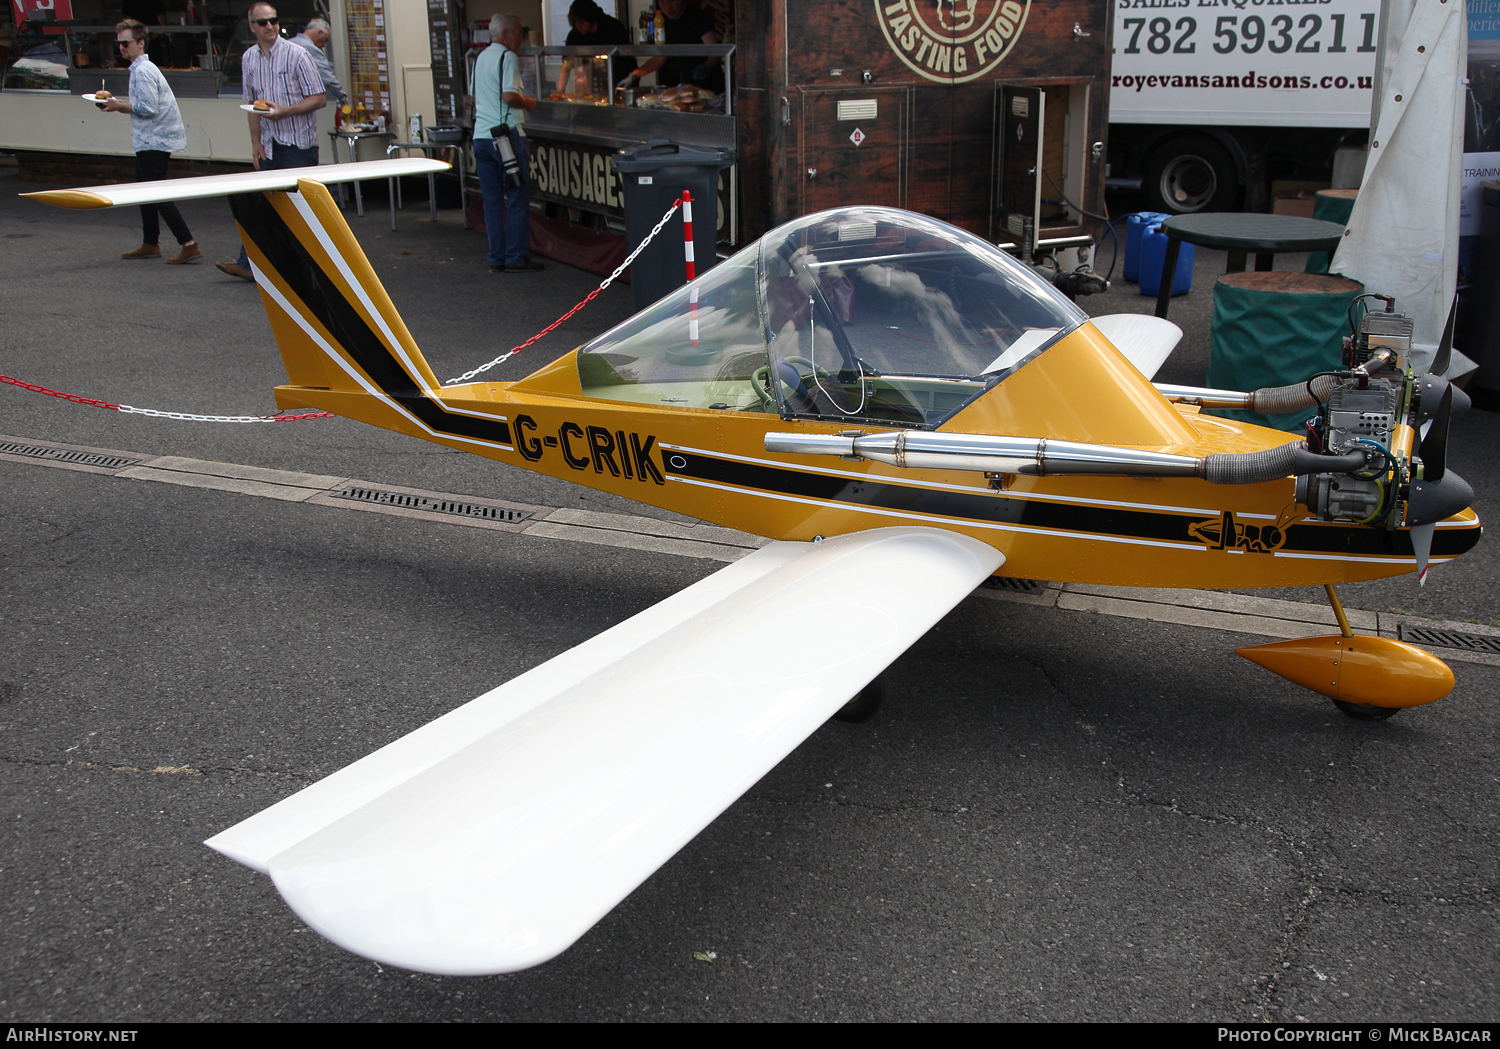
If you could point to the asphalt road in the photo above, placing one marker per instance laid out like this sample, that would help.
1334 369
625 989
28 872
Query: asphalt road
1057 815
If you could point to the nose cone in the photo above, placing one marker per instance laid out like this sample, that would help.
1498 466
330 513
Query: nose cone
1462 402
1433 501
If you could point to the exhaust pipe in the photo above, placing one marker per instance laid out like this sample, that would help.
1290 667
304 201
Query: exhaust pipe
1041 457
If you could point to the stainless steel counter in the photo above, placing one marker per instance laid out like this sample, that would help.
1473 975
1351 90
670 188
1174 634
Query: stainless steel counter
615 127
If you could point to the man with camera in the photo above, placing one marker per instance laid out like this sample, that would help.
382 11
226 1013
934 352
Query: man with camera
500 152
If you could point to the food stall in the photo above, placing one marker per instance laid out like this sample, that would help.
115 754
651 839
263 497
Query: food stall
573 133
56 50
990 114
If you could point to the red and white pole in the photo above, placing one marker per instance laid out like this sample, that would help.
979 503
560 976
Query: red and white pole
692 269
687 233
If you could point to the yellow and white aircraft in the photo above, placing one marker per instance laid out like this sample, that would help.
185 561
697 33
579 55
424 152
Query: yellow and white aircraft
903 409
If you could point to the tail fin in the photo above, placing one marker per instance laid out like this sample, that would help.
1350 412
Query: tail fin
336 327
344 344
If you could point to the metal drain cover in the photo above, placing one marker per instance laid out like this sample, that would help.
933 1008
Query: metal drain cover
1448 639
65 455
1024 586
434 506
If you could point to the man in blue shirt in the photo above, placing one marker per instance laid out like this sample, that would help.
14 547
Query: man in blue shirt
156 132
500 109
313 39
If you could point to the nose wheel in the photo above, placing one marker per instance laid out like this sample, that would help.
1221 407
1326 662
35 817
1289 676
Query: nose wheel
1365 712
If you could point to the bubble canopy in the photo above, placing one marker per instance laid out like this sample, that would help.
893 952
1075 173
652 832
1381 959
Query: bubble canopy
860 314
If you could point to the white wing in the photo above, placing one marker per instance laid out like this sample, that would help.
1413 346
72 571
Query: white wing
243 182
1146 341
492 838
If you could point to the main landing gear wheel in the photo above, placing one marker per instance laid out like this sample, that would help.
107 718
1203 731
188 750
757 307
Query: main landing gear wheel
865 702
1366 712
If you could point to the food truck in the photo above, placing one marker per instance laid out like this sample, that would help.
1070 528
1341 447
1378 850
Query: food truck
1207 104
990 114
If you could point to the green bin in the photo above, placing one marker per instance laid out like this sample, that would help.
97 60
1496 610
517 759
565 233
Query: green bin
1275 329
1330 205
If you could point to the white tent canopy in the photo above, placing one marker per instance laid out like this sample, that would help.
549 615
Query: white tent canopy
1402 238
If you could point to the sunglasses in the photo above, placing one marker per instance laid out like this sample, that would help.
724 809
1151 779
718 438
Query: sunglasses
263 22
123 43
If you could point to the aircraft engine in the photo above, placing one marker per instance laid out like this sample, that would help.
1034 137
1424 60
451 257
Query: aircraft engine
1397 419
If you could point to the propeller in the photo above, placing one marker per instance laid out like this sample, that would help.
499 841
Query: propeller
1421 544
1434 447
1444 355
1437 494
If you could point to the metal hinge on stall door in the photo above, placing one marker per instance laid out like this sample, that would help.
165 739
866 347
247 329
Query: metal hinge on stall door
786 111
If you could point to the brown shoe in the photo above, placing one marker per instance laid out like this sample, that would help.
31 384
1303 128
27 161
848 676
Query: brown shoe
235 270
190 253
145 251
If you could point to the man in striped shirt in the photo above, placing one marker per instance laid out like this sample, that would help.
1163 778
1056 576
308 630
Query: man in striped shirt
286 134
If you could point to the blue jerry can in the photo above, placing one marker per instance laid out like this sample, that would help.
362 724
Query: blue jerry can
1135 225
1154 253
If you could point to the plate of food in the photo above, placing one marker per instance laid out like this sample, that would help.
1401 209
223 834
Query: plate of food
260 105
99 97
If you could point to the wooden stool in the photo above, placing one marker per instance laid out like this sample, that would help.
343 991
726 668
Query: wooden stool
1274 329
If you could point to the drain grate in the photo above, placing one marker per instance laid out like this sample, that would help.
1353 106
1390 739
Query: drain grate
1024 586
436 506
64 455
1449 639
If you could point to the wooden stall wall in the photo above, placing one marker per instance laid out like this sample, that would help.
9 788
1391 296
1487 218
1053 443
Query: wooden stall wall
894 101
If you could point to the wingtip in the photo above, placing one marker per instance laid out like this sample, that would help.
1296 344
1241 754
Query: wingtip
225 845
71 198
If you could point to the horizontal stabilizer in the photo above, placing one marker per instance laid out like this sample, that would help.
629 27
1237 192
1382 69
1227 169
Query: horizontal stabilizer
1145 341
491 839
224 185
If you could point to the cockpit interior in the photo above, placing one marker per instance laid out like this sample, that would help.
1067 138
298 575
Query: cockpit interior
861 314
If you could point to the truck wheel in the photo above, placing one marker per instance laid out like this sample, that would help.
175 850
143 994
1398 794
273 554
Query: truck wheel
1188 174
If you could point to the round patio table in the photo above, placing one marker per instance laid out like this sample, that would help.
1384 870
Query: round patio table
1240 234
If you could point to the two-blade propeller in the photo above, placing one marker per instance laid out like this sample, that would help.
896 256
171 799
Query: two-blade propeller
1436 494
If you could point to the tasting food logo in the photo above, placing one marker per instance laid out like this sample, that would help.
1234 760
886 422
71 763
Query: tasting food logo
952 41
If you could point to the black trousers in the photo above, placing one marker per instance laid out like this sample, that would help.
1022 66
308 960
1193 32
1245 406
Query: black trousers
151 166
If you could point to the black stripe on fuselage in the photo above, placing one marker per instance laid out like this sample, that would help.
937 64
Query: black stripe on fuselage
321 295
1124 522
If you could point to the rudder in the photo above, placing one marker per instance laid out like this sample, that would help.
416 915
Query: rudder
334 324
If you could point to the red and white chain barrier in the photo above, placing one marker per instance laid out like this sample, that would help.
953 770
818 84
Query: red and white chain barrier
184 416
684 202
